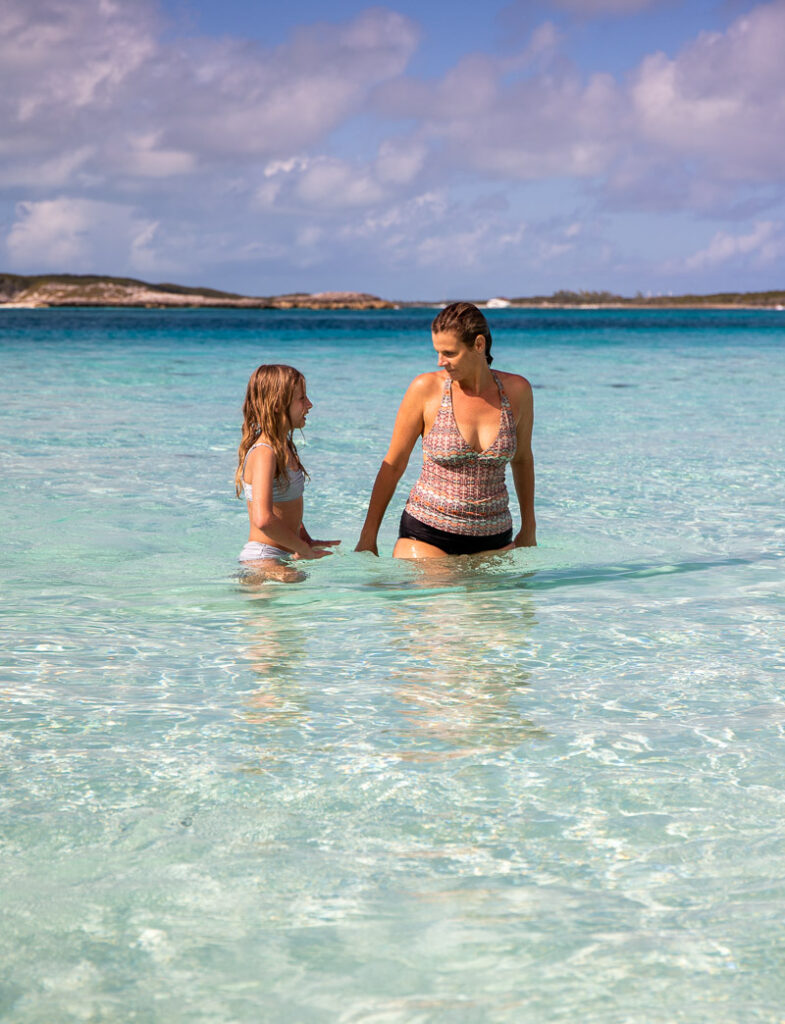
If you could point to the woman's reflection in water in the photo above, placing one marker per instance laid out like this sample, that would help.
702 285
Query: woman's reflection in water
447 666
458 668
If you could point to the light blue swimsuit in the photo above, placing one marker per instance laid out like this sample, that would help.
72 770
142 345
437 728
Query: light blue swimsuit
291 490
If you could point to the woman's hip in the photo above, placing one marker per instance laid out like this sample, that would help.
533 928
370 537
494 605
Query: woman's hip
452 543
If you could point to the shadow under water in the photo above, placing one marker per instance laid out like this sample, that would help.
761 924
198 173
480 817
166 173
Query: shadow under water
396 580
440 678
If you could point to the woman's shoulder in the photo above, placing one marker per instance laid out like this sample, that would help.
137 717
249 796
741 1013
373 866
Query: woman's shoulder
518 391
425 385
514 383
429 380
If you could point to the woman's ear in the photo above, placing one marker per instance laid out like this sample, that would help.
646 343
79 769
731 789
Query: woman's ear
479 344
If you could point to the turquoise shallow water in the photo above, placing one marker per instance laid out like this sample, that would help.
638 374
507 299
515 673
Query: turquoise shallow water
541 787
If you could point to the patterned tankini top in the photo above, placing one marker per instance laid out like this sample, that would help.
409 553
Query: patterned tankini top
461 490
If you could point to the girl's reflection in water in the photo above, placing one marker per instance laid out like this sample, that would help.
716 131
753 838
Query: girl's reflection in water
275 654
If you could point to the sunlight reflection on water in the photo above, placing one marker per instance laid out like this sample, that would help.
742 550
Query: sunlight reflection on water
540 785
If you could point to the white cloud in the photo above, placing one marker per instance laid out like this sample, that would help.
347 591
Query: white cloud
134 146
245 100
59 56
687 131
395 223
326 183
50 172
504 118
399 161
90 74
69 234
720 99
333 183
144 157
430 231
543 43
92 94
592 8
317 183
765 243
143 256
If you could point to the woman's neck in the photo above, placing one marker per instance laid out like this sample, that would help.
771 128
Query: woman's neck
477 381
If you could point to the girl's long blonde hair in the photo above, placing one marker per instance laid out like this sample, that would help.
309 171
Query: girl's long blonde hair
268 397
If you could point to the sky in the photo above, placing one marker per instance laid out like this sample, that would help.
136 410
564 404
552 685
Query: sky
414 150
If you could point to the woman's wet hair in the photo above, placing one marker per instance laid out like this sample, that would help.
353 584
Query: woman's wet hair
467 322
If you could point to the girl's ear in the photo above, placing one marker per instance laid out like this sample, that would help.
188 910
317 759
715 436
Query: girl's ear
479 344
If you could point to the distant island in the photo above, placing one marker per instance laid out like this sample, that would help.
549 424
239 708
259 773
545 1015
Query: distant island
607 300
59 290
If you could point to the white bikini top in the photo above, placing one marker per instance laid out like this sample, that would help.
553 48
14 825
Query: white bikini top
289 491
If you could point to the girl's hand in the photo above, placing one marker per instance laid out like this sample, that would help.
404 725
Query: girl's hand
323 543
314 553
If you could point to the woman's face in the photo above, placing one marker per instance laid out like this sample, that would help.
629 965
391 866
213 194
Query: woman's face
300 407
455 358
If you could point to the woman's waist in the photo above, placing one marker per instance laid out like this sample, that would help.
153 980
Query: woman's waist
474 485
484 520
470 503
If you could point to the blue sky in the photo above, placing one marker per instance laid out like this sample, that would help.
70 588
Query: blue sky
412 151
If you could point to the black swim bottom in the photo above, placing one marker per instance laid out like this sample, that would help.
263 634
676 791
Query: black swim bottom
451 543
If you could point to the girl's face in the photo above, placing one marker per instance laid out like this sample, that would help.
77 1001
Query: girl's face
300 407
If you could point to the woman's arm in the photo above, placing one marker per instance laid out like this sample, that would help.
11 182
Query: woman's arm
409 425
523 464
261 463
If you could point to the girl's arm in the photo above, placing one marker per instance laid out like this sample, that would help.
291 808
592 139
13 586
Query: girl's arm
523 462
409 425
262 471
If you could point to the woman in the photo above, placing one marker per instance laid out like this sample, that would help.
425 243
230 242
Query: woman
472 422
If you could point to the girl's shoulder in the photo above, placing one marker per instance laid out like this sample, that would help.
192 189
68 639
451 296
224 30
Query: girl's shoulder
259 452
260 443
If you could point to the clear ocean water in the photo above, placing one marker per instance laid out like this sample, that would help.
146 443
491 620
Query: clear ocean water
546 786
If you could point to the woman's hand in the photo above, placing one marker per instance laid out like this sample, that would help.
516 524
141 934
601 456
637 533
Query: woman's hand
526 538
365 545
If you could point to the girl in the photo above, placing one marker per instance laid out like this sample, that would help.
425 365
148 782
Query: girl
269 472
